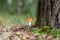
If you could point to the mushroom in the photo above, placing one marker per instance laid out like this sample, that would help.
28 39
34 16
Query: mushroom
29 19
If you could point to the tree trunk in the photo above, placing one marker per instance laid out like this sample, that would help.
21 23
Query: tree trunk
19 6
9 2
43 12
54 11
47 13
39 13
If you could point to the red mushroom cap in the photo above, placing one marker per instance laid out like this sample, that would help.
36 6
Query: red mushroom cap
29 19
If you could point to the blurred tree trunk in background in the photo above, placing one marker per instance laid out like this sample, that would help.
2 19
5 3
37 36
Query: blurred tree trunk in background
47 13
9 5
19 6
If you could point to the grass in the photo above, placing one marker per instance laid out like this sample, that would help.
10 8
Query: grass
46 29
8 19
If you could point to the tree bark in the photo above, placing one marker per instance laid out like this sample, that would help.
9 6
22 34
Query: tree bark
39 14
9 3
47 13
43 12
54 11
19 6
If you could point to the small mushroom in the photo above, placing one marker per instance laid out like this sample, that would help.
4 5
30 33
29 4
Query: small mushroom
29 19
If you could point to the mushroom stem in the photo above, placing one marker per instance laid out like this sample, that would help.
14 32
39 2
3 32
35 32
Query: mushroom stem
29 23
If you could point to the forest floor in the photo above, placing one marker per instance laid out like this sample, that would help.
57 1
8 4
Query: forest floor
20 32
10 29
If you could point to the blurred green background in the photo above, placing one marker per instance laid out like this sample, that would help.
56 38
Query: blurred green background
28 9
